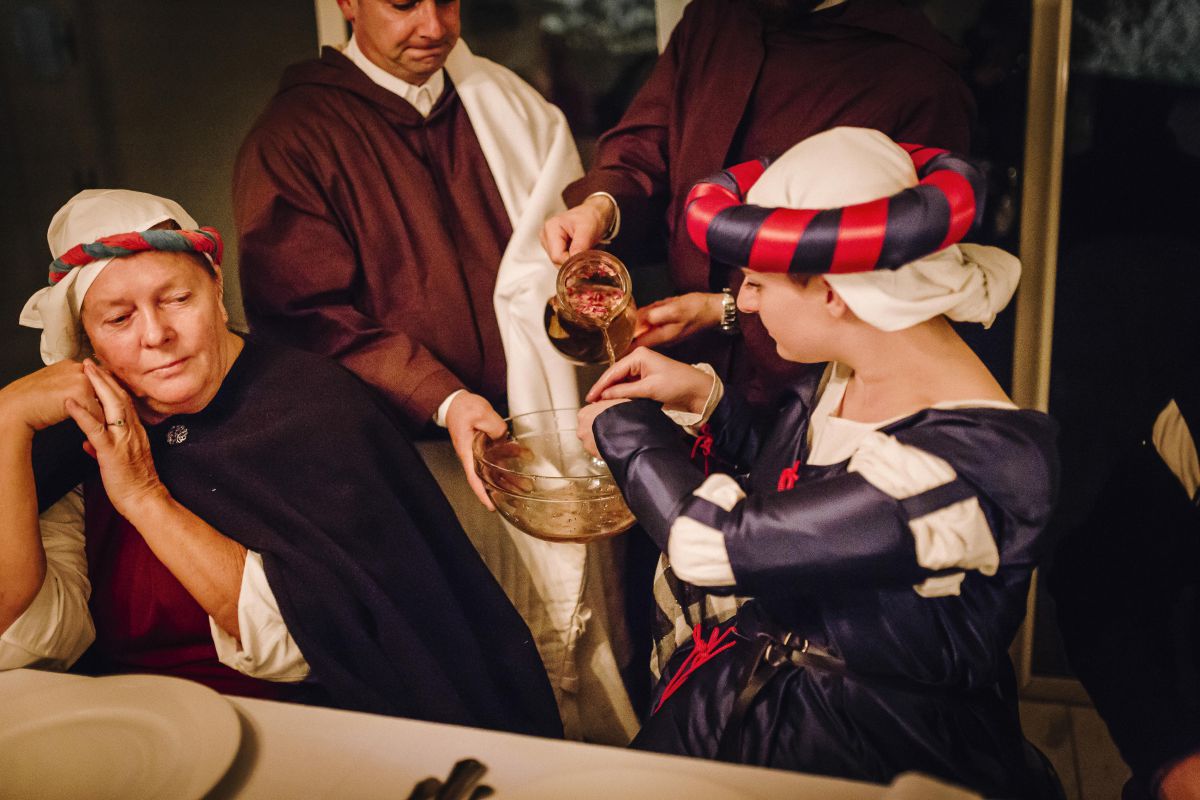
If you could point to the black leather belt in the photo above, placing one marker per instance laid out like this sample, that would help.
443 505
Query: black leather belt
773 651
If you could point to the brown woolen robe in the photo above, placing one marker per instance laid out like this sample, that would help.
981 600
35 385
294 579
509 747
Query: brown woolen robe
729 88
373 236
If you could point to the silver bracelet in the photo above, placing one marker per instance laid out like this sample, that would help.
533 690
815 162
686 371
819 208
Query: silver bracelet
614 227
729 321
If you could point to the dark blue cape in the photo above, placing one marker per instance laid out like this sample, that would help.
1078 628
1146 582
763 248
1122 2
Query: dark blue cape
384 594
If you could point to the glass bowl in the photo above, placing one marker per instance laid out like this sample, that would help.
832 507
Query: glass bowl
544 483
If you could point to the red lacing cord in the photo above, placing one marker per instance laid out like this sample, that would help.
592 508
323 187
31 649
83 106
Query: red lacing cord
788 477
703 445
702 652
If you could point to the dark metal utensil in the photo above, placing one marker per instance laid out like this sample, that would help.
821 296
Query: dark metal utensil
463 778
426 790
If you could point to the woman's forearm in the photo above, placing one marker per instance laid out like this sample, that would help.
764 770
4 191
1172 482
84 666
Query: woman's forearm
207 563
22 558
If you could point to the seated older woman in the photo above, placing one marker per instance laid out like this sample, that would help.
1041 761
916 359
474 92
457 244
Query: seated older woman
240 513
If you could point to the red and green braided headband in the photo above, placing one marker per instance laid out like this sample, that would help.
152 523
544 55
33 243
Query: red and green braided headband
204 240
880 234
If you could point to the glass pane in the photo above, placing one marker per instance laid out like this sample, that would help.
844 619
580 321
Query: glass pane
589 57
1129 244
995 37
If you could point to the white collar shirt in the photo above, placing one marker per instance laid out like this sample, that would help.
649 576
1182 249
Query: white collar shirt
422 97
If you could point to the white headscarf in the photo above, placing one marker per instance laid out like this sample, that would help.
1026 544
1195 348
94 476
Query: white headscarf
846 166
88 216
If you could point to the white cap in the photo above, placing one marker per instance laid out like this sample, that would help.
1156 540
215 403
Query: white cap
90 215
846 166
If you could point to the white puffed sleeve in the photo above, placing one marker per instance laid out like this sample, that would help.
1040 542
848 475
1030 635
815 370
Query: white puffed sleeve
267 650
955 536
57 627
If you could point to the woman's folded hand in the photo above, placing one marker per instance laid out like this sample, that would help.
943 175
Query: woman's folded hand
38 400
118 441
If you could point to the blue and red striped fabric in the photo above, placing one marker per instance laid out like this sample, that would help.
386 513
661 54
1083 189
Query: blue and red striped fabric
880 234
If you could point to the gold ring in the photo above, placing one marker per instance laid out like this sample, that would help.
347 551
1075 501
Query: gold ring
117 423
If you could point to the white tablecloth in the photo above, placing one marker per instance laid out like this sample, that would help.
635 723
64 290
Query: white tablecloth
292 751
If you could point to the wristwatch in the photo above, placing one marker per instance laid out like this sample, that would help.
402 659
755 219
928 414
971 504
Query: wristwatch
729 323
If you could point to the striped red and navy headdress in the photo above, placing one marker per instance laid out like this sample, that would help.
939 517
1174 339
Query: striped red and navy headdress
205 240
886 233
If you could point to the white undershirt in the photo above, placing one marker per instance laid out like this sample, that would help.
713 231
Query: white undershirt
57 627
833 439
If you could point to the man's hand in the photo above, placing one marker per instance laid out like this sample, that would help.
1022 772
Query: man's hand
587 415
675 318
1182 781
645 373
467 414
577 229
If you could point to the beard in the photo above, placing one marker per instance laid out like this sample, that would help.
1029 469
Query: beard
783 12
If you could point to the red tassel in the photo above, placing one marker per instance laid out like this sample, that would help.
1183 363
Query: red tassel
703 445
788 477
702 652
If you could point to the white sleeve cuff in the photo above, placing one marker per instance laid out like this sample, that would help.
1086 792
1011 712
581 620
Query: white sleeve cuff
57 627
266 650
439 418
692 422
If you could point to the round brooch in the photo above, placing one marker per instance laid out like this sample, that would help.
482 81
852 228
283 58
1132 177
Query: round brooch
177 434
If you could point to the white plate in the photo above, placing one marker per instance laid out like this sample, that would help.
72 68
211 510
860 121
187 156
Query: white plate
134 737
624 782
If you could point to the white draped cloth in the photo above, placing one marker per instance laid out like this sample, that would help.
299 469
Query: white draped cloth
569 594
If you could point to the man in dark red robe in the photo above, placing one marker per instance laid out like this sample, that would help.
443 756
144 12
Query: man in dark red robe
371 232
388 209
741 79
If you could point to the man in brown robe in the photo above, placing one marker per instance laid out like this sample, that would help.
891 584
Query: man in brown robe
388 203
741 79
341 182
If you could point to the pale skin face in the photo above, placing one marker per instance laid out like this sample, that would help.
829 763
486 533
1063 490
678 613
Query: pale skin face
156 321
409 39
798 317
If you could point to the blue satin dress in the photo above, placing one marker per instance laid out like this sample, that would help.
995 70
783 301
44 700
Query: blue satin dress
903 681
